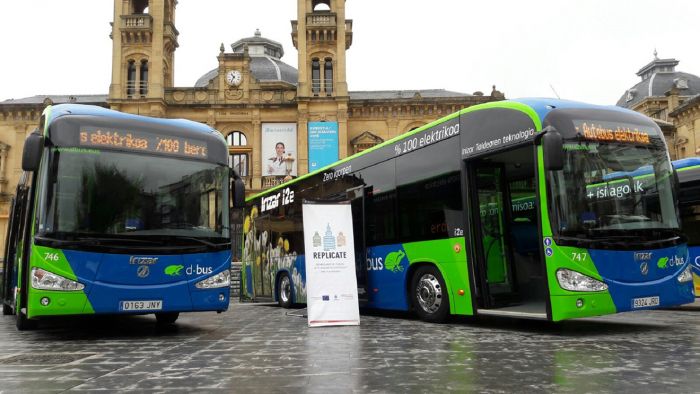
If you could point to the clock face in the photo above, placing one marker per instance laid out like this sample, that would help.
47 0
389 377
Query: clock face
233 77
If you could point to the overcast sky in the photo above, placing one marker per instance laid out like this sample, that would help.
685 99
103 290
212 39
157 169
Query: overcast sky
587 50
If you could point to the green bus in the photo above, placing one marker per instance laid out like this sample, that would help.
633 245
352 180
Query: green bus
688 170
120 214
506 208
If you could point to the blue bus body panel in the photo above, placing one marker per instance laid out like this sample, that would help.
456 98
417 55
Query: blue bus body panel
626 279
112 278
694 252
386 287
687 162
543 106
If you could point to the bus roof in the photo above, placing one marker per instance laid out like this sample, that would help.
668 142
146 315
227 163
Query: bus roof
543 106
686 163
536 108
57 111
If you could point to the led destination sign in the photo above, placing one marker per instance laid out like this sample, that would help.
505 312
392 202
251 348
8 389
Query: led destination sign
142 142
613 132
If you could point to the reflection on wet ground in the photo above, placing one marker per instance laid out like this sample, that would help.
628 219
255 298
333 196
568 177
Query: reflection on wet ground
263 348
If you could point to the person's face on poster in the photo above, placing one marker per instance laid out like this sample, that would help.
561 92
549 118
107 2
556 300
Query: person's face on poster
279 149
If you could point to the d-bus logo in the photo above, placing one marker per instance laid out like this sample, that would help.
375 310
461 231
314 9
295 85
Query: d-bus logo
391 262
139 260
666 262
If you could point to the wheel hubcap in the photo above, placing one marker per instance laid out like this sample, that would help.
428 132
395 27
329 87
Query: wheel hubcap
285 289
429 293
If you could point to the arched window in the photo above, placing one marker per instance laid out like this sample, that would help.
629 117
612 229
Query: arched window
328 76
321 5
130 78
238 161
315 76
143 78
140 6
236 139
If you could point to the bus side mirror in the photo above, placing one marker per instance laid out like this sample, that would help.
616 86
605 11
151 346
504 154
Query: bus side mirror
31 155
553 145
238 190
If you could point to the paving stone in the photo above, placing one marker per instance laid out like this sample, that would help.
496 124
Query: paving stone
259 348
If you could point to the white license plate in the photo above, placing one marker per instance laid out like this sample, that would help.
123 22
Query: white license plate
148 305
645 302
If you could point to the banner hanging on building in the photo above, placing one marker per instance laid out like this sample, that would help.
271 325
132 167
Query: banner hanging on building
279 149
331 284
323 144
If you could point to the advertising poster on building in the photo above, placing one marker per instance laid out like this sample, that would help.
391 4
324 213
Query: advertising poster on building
323 144
331 284
279 149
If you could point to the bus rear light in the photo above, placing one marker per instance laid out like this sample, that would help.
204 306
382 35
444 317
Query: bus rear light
576 281
45 280
686 275
222 279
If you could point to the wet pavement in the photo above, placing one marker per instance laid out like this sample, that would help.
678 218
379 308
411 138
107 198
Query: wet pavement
265 349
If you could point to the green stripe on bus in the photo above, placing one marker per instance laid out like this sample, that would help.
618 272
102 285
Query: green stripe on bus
514 105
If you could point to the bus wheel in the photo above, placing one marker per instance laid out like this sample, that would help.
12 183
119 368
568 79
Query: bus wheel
6 309
284 291
23 323
429 294
167 317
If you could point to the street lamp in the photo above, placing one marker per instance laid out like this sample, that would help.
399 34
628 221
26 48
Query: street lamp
288 163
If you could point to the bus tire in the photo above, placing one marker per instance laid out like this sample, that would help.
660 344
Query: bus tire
23 323
6 309
167 318
429 294
284 291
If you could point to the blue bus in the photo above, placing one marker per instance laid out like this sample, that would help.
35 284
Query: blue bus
689 205
522 208
120 214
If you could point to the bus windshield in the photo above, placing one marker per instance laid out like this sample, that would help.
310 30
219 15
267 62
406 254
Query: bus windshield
108 193
611 188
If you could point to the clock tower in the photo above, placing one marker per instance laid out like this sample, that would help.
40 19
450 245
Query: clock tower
144 40
322 35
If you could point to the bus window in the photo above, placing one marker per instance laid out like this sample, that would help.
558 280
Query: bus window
381 203
429 192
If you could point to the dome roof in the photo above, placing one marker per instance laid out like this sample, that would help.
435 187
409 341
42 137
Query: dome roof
658 77
265 63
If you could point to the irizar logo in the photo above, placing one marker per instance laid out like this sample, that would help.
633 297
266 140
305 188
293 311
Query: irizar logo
139 260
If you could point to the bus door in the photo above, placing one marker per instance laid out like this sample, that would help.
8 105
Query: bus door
261 269
8 275
509 270
15 234
491 229
356 196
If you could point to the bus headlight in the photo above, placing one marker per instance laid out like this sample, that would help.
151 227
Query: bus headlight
576 281
686 275
222 279
45 280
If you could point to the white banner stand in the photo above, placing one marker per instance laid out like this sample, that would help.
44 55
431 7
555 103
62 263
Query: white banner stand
331 284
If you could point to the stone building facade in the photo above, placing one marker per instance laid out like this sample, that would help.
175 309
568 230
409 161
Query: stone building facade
672 99
248 92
